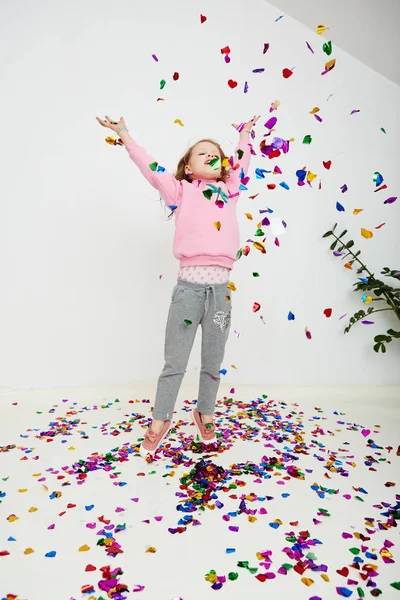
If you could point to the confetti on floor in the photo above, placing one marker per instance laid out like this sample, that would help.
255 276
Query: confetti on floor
292 498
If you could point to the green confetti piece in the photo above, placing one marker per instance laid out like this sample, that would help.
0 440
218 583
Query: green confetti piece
256 275
187 322
239 254
383 129
307 139
259 233
153 166
360 592
240 154
215 163
253 570
208 194
396 585
243 563
232 576
162 84
359 498
287 566
311 556
355 551
327 48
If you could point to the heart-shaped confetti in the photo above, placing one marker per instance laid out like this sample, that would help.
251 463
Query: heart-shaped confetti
287 73
232 84
328 312
327 164
217 225
365 432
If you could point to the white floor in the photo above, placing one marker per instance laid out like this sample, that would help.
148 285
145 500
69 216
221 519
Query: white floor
44 509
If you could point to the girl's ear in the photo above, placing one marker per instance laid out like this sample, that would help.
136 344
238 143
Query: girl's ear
187 170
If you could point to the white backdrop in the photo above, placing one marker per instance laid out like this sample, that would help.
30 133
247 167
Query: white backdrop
84 239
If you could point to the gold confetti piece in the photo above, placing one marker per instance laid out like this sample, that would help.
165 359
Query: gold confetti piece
275 104
12 518
231 286
321 29
357 211
225 163
179 122
251 518
36 475
259 246
348 265
21 491
217 225
278 520
33 509
314 110
71 448
84 548
366 233
233 367
330 64
307 581
46 489
249 216
311 176
368 299
151 549
325 577
28 550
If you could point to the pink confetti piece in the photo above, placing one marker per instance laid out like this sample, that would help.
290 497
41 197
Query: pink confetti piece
158 518
365 432
138 588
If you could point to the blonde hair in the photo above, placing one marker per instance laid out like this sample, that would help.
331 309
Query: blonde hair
180 169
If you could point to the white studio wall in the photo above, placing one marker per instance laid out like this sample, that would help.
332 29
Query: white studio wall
87 268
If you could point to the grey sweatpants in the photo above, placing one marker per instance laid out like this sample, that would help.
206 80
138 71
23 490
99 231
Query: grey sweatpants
201 304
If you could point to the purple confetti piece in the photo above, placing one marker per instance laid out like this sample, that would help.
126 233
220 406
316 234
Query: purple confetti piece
266 48
246 87
234 528
390 200
344 188
258 70
155 57
271 123
318 118
368 322
353 112
309 47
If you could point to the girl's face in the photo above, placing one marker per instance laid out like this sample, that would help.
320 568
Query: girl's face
199 167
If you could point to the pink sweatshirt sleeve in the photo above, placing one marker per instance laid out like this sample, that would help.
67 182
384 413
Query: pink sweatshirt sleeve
242 158
169 187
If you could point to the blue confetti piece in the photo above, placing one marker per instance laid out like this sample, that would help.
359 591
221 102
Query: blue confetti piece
342 591
223 371
3 494
284 185
260 173
285 495
301 175
173 207
339 207
279 18
11 539
89 507
274 525
160 169
51 554
291 316
230 550
243 188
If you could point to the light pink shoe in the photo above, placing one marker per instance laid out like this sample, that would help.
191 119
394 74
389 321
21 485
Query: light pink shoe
206 431
153 440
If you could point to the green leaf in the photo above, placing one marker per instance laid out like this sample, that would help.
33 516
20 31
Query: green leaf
333 246
334 227
393 333
376 347
380 338
327 234
349 244
343 233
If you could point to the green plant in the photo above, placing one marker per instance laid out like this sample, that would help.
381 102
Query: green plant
382 291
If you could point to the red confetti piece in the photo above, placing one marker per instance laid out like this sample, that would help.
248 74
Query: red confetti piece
232 84
287 73
327 164
203 19
328 312
175 76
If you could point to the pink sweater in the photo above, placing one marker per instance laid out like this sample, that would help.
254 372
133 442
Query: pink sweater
197 240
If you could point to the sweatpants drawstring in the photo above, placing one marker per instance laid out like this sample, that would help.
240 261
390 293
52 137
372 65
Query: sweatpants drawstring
210 288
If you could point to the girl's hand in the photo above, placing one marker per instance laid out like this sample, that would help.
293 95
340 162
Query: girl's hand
112 124
247 126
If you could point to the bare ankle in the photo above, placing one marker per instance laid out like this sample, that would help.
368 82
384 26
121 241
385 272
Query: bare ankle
156 425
